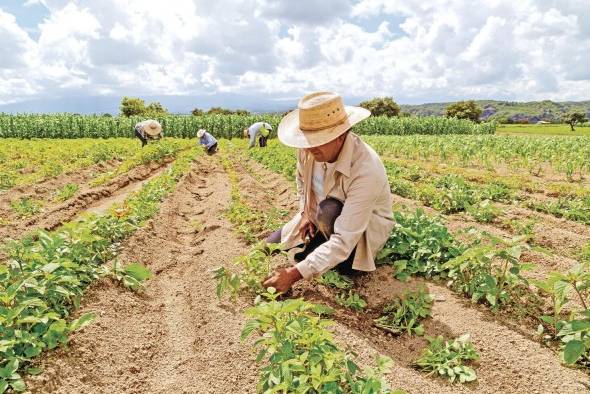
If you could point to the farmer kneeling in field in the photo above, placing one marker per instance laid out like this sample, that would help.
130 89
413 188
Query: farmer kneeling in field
208 142
258 129
148 129
344 198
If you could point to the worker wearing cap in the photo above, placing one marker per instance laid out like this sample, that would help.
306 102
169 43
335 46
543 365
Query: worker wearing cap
345 204
148 129
258 129
207 141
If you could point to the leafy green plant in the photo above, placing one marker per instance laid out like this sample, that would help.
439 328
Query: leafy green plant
254 267
334 279
67 192
476 273
404 314
299 353
132 275
573 330
447 359
418 245
26 207
351 300
484 211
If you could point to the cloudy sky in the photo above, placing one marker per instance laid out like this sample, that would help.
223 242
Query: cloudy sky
414 50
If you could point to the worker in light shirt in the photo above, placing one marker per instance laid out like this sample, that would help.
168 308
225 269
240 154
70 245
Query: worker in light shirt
345 204
260 130
207 141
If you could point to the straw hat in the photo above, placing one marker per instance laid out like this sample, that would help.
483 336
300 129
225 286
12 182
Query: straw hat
320 118
201 133
152 128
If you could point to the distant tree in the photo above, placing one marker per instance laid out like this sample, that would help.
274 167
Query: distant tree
241 112
155 108
219 111
573 118
107 115
197 112
464 110
381 106
132 106
404 114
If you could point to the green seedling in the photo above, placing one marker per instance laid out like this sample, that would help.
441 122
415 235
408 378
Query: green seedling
132 275
335 280
404 314
446 359
67 192
299 353
26 207
351 300
484 211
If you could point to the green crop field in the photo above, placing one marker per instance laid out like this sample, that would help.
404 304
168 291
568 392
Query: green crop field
488 262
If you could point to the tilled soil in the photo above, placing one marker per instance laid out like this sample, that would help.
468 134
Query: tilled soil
54 215
176 337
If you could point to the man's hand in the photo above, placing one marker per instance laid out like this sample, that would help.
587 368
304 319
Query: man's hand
306 228
283 279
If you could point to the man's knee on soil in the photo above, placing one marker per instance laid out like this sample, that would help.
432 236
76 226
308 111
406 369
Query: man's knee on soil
328 212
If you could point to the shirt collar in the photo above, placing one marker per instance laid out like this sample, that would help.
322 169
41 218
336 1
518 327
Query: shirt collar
344 161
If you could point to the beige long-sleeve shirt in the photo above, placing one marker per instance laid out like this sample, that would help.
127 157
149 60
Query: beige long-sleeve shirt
358 179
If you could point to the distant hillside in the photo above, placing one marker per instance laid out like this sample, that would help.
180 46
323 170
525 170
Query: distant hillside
510 111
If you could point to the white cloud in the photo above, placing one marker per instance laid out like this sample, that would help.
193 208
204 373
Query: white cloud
442 49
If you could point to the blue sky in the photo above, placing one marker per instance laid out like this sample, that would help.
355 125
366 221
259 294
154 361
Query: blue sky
278 50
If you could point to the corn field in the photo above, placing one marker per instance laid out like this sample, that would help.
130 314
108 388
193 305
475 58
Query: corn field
221 126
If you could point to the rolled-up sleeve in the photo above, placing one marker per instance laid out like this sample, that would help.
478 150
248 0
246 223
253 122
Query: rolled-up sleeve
348 228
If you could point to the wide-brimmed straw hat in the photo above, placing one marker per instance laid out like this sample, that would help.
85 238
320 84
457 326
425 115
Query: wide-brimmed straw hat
152 128
320 118
200 133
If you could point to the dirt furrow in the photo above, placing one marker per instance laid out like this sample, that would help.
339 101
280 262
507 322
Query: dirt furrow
176 337
117 189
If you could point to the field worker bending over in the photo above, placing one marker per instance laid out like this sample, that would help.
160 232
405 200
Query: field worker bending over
345 204
208 142
148 129
261 129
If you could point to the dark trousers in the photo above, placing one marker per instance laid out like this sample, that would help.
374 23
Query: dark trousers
328 211
212 149
141 137
262 141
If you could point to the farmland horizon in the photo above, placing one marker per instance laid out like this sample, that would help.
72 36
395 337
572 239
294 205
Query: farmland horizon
184 104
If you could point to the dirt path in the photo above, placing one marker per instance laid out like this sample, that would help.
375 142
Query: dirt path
175 338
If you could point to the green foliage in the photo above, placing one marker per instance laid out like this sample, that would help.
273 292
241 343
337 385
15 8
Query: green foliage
572 118
484 211
381 106
254 267
131 106
351 300
335 280
447 359
573 330
404 314
299 352
418 245
67 192
464 110
490 272
26 207
197 112
132 275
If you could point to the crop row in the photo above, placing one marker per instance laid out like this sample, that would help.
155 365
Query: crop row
46 275
31 161
448 193
222 126
570 156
